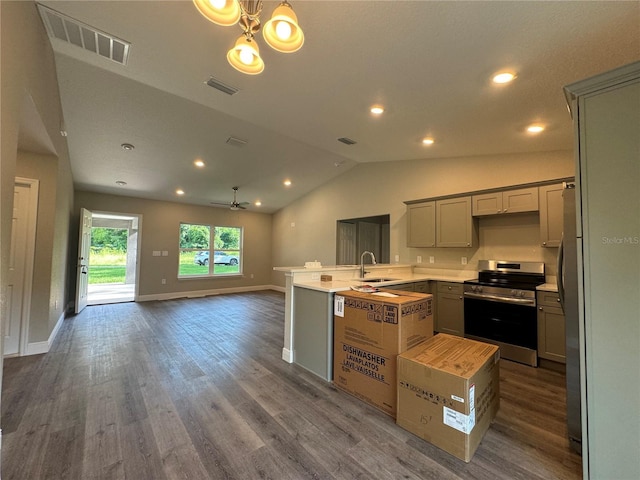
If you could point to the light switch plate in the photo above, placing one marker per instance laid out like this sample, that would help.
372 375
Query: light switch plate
464 260
432 259
419 258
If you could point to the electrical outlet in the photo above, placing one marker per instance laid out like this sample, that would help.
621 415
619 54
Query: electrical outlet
251 276
164 281
432 259
397 258
315 276
464 260
419 258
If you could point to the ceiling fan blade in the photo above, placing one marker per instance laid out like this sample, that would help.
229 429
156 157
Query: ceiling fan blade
225 204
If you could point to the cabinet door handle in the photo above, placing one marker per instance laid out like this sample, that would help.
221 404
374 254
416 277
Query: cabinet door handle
540 308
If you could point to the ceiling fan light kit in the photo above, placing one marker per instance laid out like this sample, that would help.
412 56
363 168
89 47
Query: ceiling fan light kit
281 32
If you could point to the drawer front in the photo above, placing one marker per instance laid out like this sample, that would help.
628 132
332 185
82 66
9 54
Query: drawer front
422 287
550 299
450 287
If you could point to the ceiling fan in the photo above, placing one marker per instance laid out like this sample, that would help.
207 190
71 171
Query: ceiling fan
235 205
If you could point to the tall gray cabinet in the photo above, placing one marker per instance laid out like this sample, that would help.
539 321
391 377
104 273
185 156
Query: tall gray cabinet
606 112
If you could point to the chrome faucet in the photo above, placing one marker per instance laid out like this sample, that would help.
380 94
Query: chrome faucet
373 261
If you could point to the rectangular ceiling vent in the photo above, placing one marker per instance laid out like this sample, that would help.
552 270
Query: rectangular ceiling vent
236 142
218 85
347 141
72 31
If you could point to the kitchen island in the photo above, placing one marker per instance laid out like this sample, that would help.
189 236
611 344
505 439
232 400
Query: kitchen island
308 331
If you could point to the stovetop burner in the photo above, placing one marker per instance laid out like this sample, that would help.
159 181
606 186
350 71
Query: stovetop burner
509 274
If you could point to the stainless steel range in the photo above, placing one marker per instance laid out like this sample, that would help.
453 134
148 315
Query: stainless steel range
500 307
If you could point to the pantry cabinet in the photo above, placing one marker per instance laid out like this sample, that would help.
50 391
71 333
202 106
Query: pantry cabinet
550 215
551 327
454 223
449 309
507 201
421 224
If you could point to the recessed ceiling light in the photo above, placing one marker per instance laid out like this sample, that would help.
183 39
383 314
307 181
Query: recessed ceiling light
287 182
258 203
503 77
127 146
535 128
121 183
179 192
427 141
198 163
377 109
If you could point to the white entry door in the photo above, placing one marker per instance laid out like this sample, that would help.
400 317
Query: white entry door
84 249
25 208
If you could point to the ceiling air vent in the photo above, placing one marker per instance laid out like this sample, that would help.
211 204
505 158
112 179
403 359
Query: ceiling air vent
347 141
218 85
72 31
236 142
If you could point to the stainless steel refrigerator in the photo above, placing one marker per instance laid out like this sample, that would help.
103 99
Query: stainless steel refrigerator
567 276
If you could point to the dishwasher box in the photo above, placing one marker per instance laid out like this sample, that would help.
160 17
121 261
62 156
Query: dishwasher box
449 392
370 330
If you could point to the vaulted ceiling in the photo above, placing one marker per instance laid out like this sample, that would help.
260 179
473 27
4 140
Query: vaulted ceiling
428 63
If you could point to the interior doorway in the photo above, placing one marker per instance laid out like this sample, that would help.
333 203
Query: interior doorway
355 235
112 266
21 266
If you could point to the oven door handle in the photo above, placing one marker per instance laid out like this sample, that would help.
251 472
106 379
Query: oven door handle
496 298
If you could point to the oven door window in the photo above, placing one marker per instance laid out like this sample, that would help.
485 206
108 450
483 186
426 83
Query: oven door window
501 322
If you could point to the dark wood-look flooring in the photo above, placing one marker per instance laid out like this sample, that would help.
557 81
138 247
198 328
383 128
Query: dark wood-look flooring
196 389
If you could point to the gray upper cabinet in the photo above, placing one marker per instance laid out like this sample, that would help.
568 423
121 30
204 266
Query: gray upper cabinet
507 201
421 224
454 223
551 215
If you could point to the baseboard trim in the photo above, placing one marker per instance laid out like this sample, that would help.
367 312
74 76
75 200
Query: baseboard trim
37 348
287 355
205 293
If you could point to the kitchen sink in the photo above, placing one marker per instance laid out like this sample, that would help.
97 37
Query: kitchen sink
376 280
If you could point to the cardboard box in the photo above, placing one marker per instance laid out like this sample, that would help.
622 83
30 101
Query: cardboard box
370 329
449 392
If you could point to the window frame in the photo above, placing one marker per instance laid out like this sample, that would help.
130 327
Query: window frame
211 267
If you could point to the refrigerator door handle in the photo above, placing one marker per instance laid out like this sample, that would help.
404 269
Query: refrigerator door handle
560 272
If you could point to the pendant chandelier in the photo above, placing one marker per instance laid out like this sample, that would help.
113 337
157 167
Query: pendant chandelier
281 32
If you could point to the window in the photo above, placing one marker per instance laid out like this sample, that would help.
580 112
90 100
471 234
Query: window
207 250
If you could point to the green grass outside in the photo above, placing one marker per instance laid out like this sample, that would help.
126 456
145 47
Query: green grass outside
110 267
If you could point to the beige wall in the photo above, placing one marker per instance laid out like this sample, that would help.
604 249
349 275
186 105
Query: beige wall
50 259
30 120
306 229
160 230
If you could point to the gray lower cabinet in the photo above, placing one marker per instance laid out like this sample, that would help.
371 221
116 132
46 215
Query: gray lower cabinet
313 331
449 309
551 327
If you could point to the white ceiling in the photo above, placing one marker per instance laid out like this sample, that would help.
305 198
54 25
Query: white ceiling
429 63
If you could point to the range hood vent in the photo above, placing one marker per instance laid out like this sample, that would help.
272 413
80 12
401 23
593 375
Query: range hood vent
69 30
218 85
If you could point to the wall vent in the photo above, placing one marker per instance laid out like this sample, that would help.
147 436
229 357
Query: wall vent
72 31
218 85
347 141
236 142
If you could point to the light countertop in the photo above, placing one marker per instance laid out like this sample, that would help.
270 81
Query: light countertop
342 284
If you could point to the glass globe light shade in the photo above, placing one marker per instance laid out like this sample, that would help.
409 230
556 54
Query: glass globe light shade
282 32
